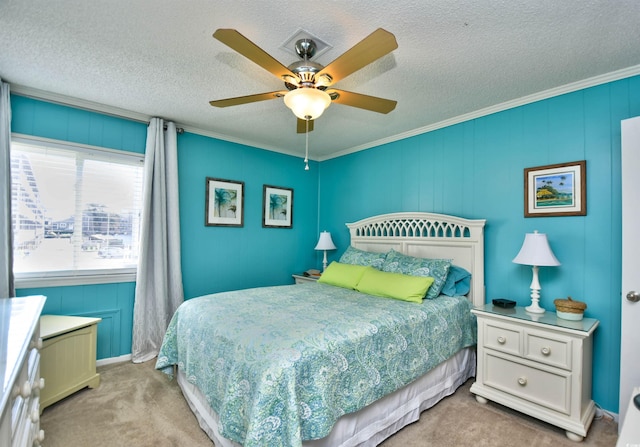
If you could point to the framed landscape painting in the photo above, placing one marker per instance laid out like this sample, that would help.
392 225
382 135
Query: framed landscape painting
556 190
277 207
224 203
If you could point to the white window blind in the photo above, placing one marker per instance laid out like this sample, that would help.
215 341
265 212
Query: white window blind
75 212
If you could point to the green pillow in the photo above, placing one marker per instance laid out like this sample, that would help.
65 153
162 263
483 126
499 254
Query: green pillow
394 285
343 275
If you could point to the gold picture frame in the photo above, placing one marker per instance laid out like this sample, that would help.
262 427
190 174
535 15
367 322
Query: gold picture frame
556 190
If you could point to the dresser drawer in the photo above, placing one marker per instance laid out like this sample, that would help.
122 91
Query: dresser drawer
503 337
20 397
546 388
548 349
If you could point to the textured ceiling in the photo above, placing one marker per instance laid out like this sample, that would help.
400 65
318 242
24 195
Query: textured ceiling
455 58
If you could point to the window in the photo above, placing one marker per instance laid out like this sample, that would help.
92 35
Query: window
75 213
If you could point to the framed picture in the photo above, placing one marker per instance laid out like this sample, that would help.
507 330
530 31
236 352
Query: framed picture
277 207
224 203
556 190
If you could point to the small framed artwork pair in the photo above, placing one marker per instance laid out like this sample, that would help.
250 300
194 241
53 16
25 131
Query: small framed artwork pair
556 190
224 204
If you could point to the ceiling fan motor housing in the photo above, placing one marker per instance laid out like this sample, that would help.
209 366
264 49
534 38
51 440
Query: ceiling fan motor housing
306 73
305 69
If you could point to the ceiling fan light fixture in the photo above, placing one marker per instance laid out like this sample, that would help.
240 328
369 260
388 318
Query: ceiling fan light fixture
307 103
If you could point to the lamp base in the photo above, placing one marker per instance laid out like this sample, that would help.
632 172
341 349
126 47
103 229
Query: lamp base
535 308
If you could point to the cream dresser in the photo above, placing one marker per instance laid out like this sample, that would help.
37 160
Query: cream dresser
68 356
20 371
537 364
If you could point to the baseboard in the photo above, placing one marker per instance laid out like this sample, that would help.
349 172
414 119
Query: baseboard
120 359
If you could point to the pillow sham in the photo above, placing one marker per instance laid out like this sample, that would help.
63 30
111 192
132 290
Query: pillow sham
356 256
438 269
458 282
342 275
394 285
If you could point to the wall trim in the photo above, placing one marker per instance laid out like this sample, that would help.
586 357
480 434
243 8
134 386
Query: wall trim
546 94
136 116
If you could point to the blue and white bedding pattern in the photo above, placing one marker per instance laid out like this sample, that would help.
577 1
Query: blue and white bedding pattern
281 364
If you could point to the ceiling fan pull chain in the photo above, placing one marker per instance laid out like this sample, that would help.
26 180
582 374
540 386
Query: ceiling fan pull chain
306 150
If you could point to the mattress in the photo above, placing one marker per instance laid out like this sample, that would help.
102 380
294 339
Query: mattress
280 365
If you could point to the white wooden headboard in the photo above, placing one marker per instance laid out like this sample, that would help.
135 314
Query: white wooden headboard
427 235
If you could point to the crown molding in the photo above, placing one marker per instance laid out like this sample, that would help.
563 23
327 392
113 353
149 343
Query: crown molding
141 117
78 103
131 115
546 94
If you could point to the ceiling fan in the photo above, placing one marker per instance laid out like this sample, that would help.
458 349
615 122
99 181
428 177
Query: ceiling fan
309 84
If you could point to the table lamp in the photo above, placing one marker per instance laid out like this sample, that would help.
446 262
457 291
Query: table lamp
536 252
325 243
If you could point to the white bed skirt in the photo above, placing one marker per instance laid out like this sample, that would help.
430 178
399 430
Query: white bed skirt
374 423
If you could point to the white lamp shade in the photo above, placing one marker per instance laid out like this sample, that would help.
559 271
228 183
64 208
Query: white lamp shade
325 242
307 102
536 251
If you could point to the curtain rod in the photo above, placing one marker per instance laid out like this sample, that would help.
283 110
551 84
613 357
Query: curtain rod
179 130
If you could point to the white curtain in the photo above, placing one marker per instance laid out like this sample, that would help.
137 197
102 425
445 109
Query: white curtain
6 246
159 289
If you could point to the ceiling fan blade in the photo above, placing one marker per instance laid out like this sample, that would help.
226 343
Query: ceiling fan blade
246 99
374 46
234 40
302 126
361 101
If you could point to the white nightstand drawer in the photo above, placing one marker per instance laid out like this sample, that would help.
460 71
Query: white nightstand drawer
542 387
503 338
541 347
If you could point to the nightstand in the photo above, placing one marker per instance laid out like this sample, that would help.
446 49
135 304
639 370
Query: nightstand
537 364
301 279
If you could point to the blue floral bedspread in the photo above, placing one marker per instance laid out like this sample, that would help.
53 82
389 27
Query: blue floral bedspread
281 364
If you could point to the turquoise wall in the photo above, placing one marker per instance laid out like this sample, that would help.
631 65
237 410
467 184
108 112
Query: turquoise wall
216 259
213 258
475 170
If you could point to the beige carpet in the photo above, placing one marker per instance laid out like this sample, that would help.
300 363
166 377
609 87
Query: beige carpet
137 406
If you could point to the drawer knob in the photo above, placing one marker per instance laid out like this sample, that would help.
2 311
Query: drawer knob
522 381
38 384
25 391
545 351
502 340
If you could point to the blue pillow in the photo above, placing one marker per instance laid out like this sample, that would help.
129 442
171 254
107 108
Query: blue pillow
458 282
360 257
438 269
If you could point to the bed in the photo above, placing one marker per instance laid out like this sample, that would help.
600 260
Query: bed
317 364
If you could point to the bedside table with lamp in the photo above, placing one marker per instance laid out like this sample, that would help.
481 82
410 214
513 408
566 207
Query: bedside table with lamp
536 362
324 243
